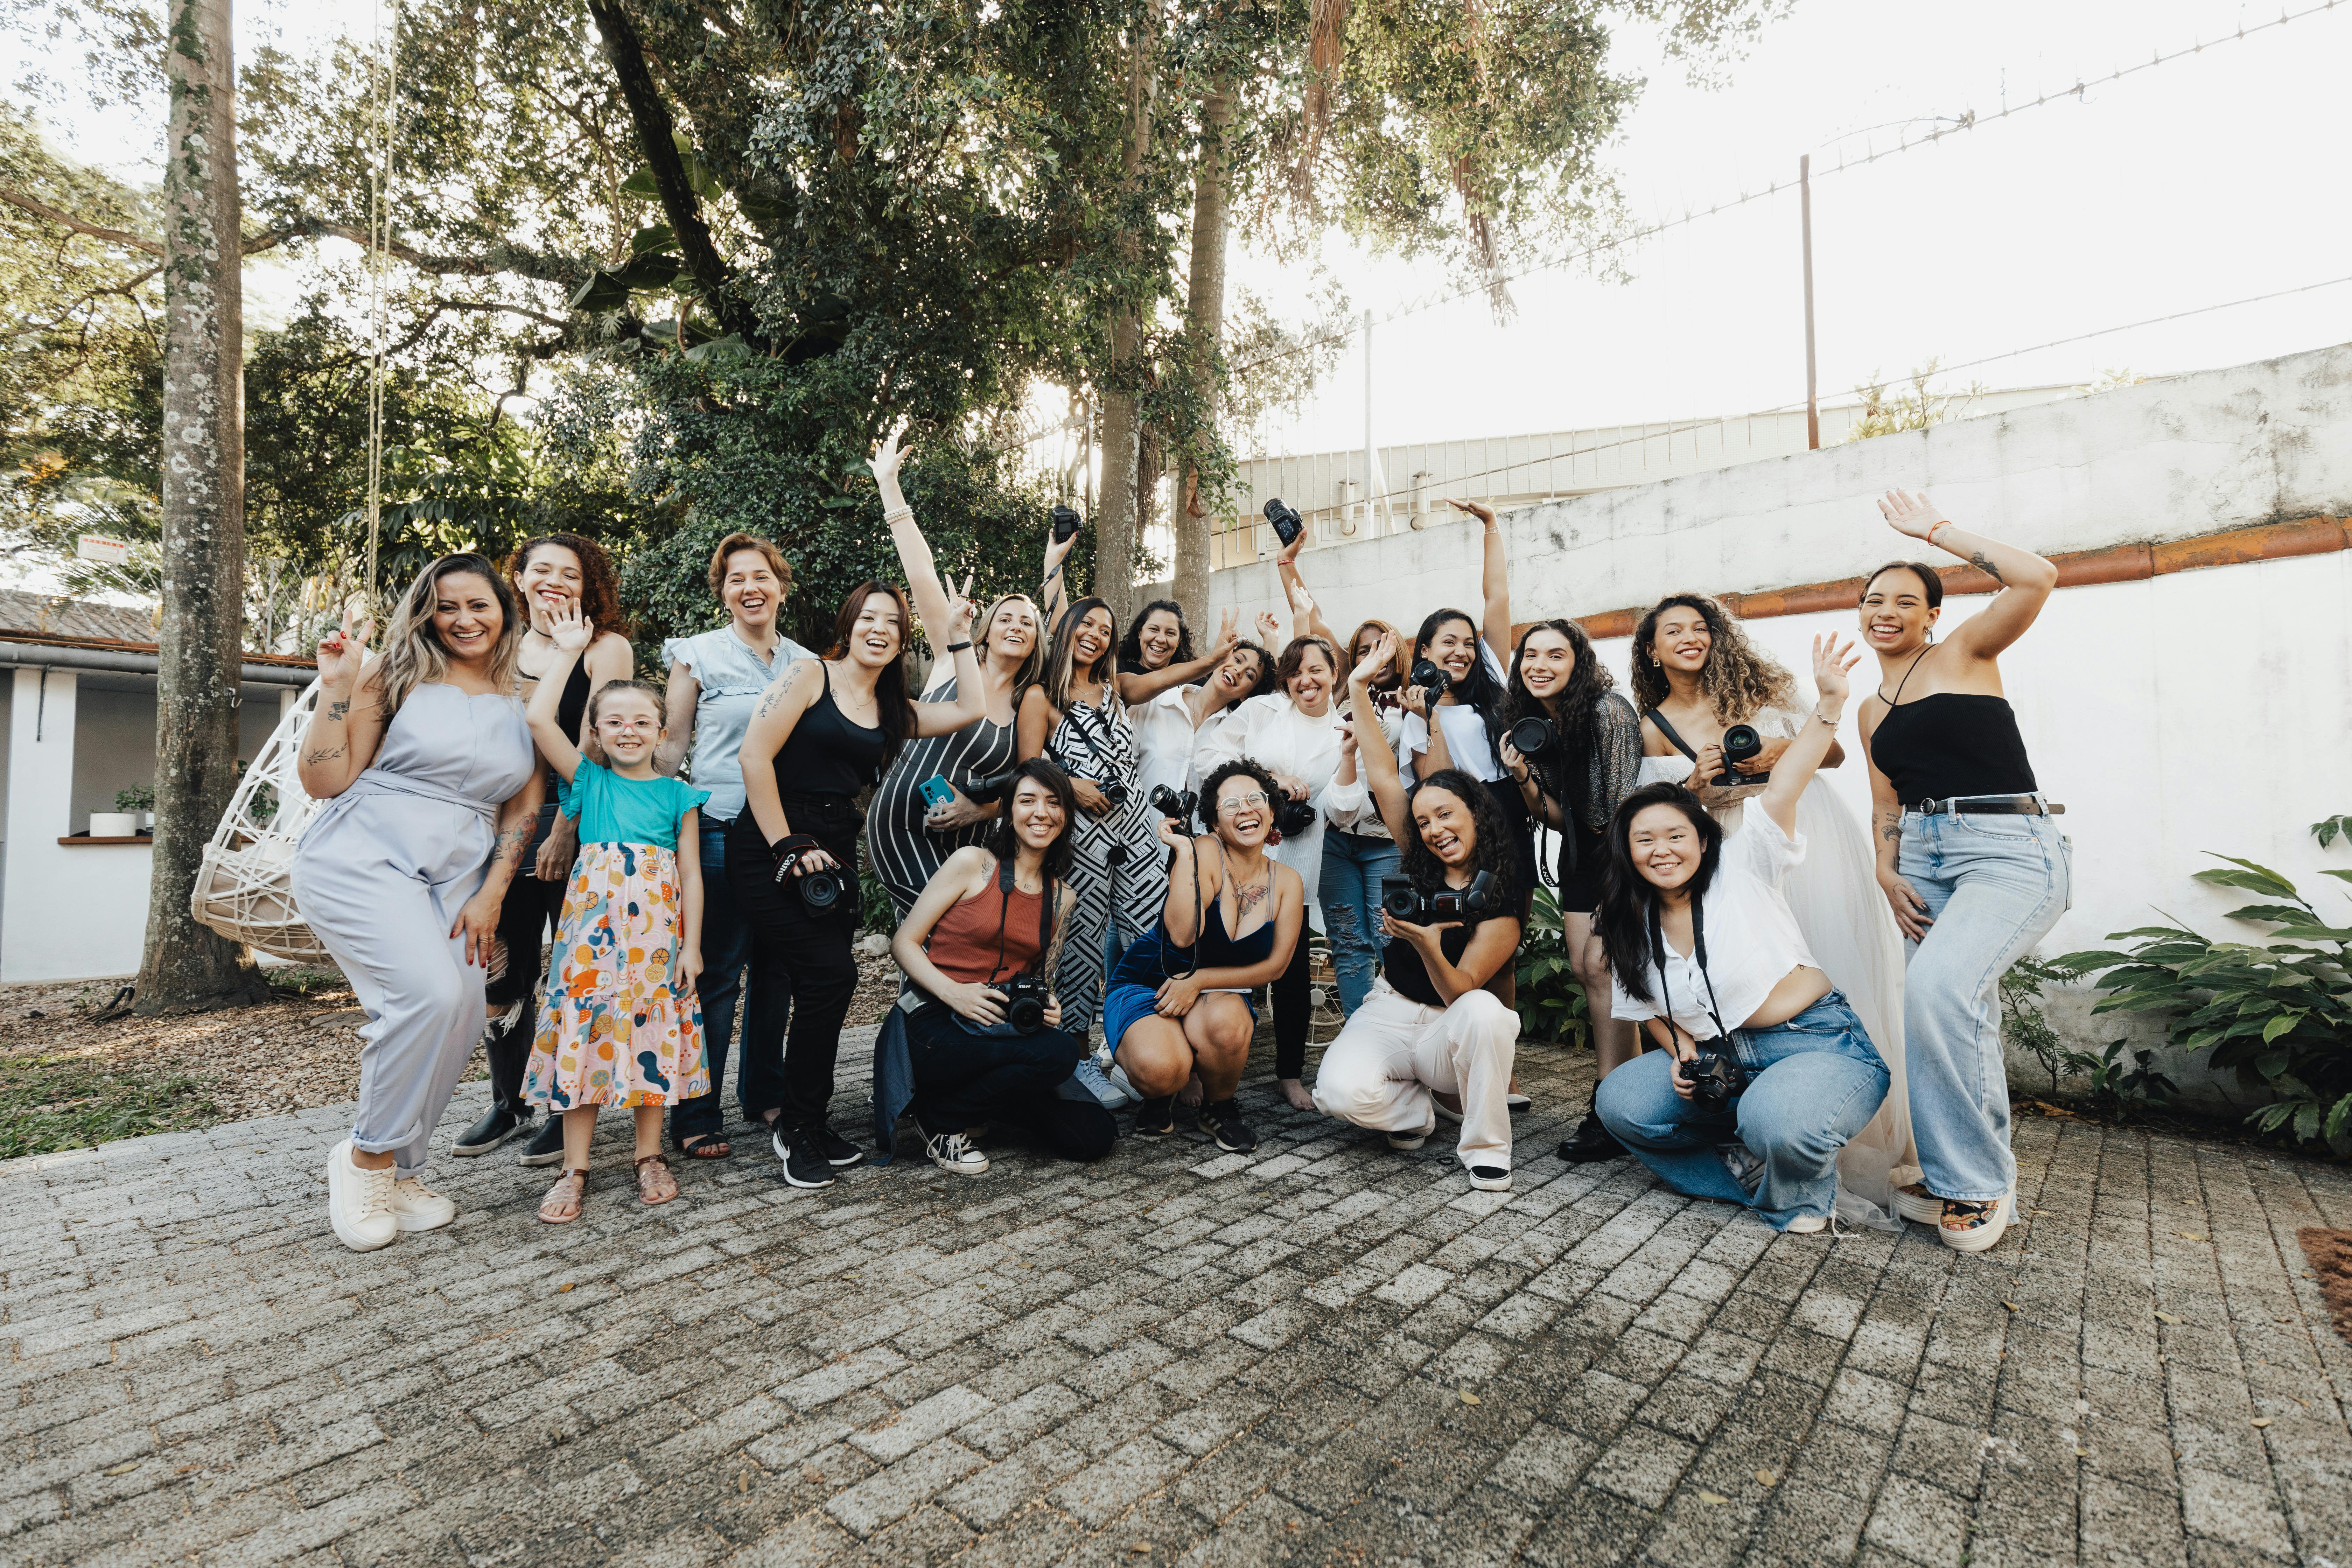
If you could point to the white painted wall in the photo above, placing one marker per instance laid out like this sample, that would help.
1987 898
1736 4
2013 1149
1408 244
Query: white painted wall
2203 711
72 912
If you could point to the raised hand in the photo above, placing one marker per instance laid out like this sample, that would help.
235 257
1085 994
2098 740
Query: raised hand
342 651
1269 629
1058 550
889 457
961 608
1476 509
1228 634
1290 553
1831 663
570 631
1911 512
1368 668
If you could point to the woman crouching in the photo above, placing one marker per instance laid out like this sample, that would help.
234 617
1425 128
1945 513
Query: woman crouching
986 1044
1767 1071
1430 1028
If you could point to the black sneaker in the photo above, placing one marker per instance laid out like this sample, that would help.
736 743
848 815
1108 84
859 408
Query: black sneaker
836 1150
1156 1118
546 1146
1590 1141
497 1124
1222 1119
804 1161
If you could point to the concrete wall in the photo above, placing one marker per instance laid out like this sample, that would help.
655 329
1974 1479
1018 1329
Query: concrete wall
2207 711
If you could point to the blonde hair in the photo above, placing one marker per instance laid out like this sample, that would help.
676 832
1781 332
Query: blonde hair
412 654
1033 667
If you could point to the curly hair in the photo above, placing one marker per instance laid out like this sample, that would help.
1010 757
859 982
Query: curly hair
1239 767
1565 768
1739 680
1627 920
1493 851
599 584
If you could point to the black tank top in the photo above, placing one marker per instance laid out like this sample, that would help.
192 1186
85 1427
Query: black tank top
1401 964
828 755
1952 743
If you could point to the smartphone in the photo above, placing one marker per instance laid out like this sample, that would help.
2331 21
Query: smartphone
936 791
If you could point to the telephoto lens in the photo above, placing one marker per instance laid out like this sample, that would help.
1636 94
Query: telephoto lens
1714 1076
1740 742
1177 804
1288 524
1432 680
1531 738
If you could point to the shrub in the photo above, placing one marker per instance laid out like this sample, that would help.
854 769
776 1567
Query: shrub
2277 1012
1551 1003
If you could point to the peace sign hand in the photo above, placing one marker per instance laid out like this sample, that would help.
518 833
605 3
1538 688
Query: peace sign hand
341 652
961 608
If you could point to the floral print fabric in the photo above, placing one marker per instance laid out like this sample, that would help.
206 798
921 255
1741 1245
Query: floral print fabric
613 1030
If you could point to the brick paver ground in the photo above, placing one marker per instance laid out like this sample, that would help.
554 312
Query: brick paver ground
1324 1353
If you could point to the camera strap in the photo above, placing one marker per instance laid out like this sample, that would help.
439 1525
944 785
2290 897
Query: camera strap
1668 730
1699 950
1005 886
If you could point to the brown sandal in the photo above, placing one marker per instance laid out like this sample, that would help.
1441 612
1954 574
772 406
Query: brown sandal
570 1191
657 1185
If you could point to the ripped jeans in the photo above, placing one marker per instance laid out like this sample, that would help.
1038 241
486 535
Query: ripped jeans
1353 865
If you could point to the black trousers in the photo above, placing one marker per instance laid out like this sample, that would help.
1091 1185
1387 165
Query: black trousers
797 957
962 1079
531 906
1294 1011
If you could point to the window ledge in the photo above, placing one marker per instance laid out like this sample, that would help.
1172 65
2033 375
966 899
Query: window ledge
78 840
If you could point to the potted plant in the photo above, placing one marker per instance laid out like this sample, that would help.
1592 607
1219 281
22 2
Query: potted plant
140 801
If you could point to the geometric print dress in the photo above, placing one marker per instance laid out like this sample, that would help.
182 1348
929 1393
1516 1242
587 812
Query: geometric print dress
613 1030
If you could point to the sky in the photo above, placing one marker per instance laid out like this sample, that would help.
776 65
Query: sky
2211 178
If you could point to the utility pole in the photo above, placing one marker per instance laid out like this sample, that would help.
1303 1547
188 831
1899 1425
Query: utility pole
1367 424
1812 396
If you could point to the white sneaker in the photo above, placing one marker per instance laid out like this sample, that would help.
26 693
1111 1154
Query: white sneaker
359 1202
1917 1204
1406 1142
1808 1224
953 1152
415 1206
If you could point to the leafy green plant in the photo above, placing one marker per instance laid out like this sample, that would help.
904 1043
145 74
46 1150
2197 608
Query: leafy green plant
2125 1079
2278 1014
874 911
49 1103
1551 1003
142 798
2023 1024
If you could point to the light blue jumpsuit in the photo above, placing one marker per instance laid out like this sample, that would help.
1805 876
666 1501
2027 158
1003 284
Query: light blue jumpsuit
380 876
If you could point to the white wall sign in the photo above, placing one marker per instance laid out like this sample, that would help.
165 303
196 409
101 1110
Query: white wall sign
103 547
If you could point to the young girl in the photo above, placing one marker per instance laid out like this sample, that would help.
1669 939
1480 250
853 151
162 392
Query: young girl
618 1023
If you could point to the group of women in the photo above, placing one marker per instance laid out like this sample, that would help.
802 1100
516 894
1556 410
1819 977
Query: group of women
1081 827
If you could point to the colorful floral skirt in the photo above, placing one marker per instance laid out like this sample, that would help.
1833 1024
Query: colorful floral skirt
611 1029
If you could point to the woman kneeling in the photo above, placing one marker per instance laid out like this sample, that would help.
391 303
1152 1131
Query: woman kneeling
1699 931
1177 1003
986 1043
1430 1032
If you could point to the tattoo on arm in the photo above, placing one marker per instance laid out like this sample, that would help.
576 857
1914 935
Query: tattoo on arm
511 846
336 711
323 754
1984 565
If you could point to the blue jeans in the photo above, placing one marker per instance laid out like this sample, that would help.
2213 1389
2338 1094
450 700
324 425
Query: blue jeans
726 949
1353 865
1994 886
1812 1083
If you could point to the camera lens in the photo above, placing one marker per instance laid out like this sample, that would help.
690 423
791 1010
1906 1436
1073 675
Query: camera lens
1027 1015
821 890
1530 737
1400 899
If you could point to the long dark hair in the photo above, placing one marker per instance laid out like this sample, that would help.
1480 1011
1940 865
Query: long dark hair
1004 844
1494 852
1131 646
1063 655
1628 916
894 702
1482 691
1565 771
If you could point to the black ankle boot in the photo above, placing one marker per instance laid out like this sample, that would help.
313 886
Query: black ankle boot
1590 1141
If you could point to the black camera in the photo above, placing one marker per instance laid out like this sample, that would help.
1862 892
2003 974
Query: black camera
1024 1002
1066 521
1409 904
820 890
1740 742
1714 1076
1432 680
1176 803
1531 738
1292 817
1288 524
1114 792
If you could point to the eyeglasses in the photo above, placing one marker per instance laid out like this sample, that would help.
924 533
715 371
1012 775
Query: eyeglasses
631 725
1254 797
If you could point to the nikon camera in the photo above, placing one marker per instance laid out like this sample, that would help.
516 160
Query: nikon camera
1408 904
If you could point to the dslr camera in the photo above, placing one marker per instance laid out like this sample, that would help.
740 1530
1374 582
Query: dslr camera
1066 521
1432 680
1714 1075
1286 522
1024 1002
1178 805
1408 904
1740 742
820 890
1293 818
1531 738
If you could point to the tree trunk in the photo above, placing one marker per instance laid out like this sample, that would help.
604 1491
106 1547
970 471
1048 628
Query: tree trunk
186 966
1118 522
1150 459
1204 312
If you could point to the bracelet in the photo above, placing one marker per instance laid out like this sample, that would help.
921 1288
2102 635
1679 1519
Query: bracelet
901 512
1940 522
959 647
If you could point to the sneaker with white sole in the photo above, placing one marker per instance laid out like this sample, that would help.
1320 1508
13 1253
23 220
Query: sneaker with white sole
415 1206
1490 1178
953 1152
1808 1224
1917 1204
1987 1222
1406 1142
359 1202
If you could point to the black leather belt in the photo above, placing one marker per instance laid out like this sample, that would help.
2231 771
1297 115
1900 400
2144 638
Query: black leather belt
1989 805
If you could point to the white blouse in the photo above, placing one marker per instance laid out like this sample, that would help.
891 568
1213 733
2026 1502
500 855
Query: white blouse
1272 732
1163 740
1753 939
1350 806
1466 731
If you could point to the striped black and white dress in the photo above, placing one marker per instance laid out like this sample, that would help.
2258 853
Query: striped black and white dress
905 854
1119 868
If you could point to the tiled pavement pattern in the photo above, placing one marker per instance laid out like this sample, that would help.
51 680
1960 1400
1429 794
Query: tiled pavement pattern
1172 1357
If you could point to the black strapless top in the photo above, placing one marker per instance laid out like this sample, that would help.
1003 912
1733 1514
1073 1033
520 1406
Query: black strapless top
1952 743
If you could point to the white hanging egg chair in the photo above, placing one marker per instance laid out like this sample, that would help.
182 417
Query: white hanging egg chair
244 889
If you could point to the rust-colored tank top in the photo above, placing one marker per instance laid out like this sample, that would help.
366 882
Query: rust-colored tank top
965 943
